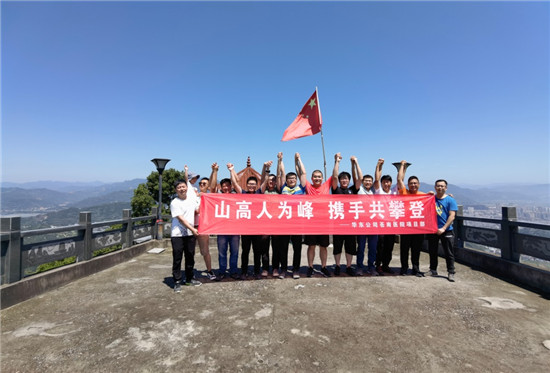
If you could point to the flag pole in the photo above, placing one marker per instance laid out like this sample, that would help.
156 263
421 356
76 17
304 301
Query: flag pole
322 138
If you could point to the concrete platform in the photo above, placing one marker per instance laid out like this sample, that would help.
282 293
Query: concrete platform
128 318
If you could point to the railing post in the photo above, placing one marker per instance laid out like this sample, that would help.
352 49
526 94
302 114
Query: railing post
458 227
129 228
85 250
155 227
13 269
508 248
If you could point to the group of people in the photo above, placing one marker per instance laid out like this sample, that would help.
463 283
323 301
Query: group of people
185 210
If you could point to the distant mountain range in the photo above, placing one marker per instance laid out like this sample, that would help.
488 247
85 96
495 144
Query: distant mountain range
511 195
47 196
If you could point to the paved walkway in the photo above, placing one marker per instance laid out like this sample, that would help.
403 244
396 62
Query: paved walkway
127 318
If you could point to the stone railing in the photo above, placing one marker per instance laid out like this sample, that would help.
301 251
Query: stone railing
504 235
502 247
24 251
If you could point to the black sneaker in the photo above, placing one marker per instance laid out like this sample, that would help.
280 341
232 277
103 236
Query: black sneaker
220 277
309 271
403 272
337 271
325 272
350 271
386 270
211 275
235 276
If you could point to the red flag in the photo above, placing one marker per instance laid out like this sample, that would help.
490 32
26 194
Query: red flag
307 123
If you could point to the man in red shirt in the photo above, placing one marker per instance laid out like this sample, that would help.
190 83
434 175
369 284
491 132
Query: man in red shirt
316 187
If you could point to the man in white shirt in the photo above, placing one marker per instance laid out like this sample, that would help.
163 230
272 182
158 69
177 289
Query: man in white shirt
183 236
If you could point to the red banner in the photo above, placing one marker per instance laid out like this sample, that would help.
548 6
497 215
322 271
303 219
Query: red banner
328 214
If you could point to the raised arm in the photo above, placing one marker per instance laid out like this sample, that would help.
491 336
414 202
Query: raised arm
335 170
356 172
186 174
265 175
234 178
280 170
378 173
401 176
214 178
300 169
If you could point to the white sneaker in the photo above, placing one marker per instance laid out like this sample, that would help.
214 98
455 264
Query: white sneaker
295 275
193 282
451 277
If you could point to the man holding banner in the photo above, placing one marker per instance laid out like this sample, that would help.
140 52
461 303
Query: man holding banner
225 240
410 241
348 241
316 188
290 186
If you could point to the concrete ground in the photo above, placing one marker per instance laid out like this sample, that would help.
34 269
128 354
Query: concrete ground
128 318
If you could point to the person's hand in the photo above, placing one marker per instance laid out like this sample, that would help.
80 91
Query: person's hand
353 158
280 155
215 166
440 231
230 166
297 156
195 232
185 168
337 157
380 161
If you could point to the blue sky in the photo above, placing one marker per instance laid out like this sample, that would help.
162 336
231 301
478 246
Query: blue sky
95 90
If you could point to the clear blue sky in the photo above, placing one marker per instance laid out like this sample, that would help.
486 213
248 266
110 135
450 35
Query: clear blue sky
95 90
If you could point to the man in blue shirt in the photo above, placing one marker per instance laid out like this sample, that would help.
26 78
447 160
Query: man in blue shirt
446 208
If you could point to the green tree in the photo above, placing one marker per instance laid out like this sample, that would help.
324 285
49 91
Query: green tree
146 194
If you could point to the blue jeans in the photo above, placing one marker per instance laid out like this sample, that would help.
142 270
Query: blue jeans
233 242
361 242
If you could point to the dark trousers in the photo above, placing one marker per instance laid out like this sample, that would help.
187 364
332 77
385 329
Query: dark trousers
279 246
384 250
447 243
297 248
264 253
414 243
255 242
183 246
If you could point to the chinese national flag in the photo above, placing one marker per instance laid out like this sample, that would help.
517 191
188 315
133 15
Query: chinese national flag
307 123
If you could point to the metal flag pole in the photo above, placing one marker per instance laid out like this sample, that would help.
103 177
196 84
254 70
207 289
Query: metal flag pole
322 138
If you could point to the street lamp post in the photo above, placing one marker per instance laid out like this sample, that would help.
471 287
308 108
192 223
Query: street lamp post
160 164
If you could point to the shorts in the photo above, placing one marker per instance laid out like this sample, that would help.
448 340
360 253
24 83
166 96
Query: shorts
321 240
348 241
